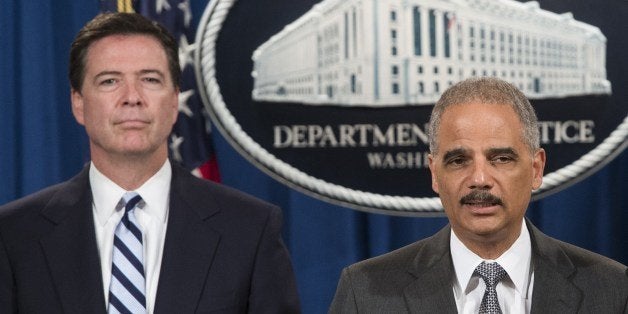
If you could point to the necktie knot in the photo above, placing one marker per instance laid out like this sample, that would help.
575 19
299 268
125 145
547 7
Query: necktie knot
130 200
491 273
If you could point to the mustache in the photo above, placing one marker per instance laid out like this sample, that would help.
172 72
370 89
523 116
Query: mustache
481 197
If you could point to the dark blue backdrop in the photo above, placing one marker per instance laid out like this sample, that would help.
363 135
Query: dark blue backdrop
40 145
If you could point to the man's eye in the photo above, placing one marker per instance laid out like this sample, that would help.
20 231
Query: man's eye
502 159
456 161
152 80
108 82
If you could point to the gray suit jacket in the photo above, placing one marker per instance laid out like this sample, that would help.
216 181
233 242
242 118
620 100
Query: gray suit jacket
418 279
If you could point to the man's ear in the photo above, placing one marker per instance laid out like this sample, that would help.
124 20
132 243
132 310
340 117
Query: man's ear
432 165
538 165
77 106
175 109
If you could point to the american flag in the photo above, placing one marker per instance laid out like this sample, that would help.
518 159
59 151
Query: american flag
190 142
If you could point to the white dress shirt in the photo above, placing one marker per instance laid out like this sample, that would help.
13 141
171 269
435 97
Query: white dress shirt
153 218
513 292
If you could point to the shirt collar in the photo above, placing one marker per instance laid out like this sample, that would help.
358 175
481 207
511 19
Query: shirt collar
516 261
155 192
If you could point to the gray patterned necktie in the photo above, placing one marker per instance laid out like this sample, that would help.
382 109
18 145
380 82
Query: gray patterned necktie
491 273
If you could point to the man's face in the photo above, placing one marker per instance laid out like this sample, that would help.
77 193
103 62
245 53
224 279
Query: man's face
128 102
483 171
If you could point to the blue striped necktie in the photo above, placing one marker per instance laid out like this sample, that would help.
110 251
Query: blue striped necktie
127 287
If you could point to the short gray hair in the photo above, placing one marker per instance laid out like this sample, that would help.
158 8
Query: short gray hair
487 90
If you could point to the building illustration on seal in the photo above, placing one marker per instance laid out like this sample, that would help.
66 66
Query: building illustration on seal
407 52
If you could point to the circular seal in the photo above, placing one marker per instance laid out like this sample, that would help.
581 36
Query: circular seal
332 97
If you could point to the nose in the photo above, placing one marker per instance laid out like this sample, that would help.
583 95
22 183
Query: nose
132 96
480 177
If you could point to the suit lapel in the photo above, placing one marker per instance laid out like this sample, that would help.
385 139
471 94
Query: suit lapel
189 248
70 248
553 291
431 291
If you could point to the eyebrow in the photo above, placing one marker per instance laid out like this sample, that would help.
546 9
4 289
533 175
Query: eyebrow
501 151
152 71
141 72
103 73
145 71
489 152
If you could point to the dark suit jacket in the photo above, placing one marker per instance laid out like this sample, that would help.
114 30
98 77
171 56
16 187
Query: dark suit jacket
418 279
223 252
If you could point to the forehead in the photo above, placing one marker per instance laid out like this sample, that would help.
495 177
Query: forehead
135 49
480 123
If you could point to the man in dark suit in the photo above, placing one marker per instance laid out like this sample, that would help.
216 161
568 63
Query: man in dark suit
485 160
131 232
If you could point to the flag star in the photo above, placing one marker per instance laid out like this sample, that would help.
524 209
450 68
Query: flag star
187 12
183 102
185 49
161 5
175 145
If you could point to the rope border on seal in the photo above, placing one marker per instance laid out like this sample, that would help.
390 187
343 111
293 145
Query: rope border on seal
589 160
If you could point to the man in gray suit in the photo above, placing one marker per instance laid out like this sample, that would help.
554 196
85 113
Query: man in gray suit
485 160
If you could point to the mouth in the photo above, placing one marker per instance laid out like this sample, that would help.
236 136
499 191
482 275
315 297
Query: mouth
482 209
131 123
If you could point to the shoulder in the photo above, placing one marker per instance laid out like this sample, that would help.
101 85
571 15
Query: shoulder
210 197
593 264
34 203
27 218
381 282
375 281
392 261
28 203
563 254
405 262
586 269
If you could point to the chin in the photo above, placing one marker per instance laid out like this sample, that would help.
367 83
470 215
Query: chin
484 225
484 231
